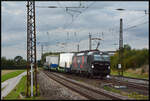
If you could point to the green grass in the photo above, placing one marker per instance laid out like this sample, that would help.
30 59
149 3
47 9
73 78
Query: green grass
111 89
21 87
11 75
129 74
137 96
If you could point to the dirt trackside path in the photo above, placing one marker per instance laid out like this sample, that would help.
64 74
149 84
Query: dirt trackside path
50 89
3 72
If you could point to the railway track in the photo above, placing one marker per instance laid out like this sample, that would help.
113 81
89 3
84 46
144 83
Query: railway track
115 80
142 86
125 85
92 93
131 78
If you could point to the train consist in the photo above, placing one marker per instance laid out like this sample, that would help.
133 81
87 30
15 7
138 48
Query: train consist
89 63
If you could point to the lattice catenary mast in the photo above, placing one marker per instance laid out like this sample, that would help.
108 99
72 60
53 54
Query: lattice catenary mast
31 44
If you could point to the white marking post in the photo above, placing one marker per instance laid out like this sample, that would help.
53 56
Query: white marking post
119 66
31 79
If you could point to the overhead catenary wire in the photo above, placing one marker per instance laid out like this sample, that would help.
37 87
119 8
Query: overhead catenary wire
60 6
131 21
136 21
139 18
75 16
85 8
134 26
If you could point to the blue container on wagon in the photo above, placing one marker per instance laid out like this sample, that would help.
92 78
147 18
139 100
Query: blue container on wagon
52 61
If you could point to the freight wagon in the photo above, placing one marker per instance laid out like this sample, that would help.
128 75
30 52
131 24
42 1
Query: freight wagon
52 62
46 66
65 61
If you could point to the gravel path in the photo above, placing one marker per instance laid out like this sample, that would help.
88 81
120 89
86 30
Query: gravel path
10 84
50 89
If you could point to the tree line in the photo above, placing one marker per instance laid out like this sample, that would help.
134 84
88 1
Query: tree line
17 63
132 58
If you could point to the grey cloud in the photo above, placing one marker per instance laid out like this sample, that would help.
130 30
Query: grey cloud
101 18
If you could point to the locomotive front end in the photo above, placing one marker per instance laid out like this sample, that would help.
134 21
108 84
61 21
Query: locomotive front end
101 65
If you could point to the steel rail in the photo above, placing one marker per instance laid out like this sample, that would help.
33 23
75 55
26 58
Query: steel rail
131 78
65 84
129 84
96 91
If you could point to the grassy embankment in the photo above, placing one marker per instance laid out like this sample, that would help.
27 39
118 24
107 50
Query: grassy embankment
11 74
137 73
21 87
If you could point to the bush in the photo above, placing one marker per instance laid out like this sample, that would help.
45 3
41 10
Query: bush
132 58
142 71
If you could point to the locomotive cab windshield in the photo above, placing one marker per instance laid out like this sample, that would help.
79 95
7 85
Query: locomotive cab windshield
106 57
98 57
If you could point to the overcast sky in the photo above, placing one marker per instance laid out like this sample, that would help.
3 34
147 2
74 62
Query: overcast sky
53 24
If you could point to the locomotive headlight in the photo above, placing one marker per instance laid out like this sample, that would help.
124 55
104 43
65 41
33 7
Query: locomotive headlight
107 76
92 66
108 67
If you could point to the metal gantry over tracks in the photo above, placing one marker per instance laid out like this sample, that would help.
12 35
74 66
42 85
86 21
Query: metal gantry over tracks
31 44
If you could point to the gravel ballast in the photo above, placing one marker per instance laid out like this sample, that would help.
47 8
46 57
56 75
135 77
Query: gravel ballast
50 89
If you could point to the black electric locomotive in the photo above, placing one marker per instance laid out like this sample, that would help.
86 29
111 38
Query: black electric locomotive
91 63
